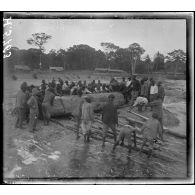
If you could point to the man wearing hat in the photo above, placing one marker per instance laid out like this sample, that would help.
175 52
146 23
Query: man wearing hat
34 110
109 118
21 100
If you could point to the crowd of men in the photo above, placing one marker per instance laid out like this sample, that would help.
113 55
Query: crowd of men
33 102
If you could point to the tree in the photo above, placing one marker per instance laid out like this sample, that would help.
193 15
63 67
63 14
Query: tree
81 57
109 49
148 63
38 40
122 59
158 63
177 58
135 51
52 57
61 58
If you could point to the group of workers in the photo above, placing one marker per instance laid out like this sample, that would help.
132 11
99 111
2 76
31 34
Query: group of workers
35 102
151 130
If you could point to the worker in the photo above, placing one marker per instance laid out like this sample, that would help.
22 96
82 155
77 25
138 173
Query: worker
34 109
161 90
47 103
157 107
151 130
135 89
21 100
87 118
79 113
109 118
153 91
125 132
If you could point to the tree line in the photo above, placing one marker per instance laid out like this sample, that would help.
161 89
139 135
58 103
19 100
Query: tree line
84 57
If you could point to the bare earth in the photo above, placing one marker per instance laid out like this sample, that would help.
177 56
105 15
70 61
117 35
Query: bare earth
53 152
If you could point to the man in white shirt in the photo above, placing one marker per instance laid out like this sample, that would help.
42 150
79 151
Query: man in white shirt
153 90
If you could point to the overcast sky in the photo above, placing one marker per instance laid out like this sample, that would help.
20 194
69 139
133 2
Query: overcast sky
153 35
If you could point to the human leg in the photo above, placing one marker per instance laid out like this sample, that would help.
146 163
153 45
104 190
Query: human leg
120 138
78 125
20 117
48 116
113 127
143 144
44 114
105 129
129 142
89 124
161 123
17 118
151 147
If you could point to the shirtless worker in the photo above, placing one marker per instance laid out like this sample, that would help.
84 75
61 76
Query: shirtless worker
21 100
109 118
47 103
151 130
125 132
34 110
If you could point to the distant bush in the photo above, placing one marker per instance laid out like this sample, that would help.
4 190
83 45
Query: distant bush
14 77
176 77
34 76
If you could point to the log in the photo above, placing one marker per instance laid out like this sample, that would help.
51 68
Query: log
141 116
70 104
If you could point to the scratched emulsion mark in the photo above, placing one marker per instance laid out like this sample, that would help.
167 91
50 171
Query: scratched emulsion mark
24 150
54 155
11 174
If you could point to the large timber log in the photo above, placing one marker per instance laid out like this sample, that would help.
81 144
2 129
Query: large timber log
70 104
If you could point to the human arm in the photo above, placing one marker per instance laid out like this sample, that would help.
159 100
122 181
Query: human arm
31 103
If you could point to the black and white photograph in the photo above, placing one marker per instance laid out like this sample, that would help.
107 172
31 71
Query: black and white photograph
97 97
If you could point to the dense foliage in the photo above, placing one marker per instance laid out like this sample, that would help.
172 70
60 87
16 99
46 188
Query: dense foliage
84 57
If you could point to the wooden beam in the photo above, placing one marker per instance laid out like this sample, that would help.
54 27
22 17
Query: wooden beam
141 116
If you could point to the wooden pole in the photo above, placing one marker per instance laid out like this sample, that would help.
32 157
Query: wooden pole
141 116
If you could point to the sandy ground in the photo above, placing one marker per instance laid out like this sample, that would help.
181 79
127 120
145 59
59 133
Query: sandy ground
53 152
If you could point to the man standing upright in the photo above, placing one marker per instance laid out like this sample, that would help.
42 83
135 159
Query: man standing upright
109 118
157 107
34 110
161 91
79 113
47 103
87 118
135 87
21 100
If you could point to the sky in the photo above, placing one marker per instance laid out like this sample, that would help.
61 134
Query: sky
163 35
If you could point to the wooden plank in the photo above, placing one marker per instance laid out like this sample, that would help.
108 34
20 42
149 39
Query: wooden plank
141 116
